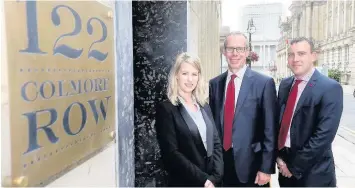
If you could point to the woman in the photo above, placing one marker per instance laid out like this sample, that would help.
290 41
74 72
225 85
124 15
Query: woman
188 139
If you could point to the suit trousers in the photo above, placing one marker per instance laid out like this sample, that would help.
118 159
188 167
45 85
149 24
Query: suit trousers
230 178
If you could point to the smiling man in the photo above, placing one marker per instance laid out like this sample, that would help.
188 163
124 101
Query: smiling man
243 103
311 106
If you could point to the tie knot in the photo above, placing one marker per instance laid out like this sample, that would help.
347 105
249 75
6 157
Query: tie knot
298 82
233 76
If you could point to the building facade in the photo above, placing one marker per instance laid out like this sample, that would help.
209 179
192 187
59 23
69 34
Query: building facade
331 25
265 39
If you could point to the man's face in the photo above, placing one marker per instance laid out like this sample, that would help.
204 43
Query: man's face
300 58
236 51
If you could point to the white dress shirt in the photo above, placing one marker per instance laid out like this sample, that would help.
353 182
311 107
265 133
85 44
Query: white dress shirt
237 83
300 90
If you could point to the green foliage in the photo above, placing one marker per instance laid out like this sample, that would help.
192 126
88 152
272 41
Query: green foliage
335 74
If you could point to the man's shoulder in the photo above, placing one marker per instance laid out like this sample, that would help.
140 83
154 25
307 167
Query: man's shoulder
286 80
260 77
328 83
218 78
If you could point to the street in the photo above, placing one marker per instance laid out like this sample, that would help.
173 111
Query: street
348 118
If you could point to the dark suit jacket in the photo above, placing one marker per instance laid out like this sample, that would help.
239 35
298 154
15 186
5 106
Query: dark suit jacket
183 153
314 126
255 122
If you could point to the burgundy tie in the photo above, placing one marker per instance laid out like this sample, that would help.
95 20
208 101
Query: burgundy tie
287 116
229 106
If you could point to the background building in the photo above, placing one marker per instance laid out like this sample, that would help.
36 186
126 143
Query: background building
265 39
331 25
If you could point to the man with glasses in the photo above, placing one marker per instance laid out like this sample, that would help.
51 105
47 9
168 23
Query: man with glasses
243 104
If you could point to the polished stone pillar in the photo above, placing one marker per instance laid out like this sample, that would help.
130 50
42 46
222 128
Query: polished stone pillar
124 92
159 34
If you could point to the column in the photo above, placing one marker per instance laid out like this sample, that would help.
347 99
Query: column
168 19
332 21
293 31
269 52
344 21
352 13
124 93
338 17
264 52
308 18
351 66
303 23
327 21
315 22
261 54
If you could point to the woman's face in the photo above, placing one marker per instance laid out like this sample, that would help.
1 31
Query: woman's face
187 78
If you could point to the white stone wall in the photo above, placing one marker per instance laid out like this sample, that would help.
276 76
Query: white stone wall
204 23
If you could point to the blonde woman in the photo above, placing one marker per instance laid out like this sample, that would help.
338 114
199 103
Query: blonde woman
190 146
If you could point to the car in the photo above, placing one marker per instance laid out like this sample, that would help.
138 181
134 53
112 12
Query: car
354 93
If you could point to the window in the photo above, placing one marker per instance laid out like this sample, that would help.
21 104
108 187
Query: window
346 54
333 57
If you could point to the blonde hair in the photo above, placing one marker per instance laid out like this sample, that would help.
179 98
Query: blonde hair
200 93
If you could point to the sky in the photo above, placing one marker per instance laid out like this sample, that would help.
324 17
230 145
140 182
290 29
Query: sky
231 10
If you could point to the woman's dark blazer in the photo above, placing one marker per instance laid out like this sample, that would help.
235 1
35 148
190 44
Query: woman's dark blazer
184 155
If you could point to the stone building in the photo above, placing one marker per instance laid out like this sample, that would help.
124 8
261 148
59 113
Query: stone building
331 25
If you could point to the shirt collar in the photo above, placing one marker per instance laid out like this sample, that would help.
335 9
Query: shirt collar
193 101
306 77
240 73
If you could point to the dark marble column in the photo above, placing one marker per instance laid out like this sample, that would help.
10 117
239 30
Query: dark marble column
124 92
159 34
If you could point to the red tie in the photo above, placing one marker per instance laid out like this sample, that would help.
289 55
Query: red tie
287 116
229 114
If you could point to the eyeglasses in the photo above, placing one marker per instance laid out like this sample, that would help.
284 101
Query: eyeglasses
237 49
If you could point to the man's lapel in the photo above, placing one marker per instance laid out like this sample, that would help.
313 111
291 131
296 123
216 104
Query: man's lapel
243 92
221 90
307 92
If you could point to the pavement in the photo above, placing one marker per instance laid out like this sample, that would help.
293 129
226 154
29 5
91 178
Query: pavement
343 145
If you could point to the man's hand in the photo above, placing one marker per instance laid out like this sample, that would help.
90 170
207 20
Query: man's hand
209 184
262 178
283 168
